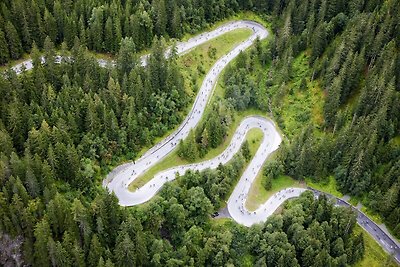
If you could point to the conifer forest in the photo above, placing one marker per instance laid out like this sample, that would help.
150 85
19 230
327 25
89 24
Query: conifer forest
107 84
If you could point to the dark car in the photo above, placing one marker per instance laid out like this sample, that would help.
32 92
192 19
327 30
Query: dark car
215 214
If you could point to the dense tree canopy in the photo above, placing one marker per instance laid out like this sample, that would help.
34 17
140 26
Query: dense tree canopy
100 25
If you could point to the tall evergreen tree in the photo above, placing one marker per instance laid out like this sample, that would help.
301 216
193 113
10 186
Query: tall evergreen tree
42 235
4 53
13 40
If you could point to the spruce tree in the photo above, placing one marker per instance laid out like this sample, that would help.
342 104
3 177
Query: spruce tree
13 40
4 53
42 235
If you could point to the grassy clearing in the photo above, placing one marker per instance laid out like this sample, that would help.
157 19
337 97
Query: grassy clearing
254 137
105 56
169 161
374 255
196 64
327 186
258 194
299 107
354 200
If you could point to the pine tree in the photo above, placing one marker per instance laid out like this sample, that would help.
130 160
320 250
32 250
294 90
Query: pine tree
160 15
332 103
126 60
319 41
14 43
42 235
96 28
95 252
58 254
175 22
215 130
108 35
26 34
125 250
246 150
83 36
70 31
4 53
205 139
141 249
6 145
117 34
50 26
82 220
191 151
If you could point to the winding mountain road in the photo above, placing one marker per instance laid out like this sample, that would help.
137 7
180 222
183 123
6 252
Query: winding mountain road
119 179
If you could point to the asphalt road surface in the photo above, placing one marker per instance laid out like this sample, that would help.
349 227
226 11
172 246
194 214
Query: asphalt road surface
384 239
120 178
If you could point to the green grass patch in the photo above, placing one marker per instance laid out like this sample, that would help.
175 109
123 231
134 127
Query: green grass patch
196 64
328 186
396 140
258 194
254 137
374 255
300 106
169 161
354 200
